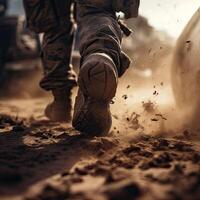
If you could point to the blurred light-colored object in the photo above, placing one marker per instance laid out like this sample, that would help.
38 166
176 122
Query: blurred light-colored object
186 67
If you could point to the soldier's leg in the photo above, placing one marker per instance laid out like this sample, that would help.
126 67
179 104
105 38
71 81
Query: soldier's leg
102 63
56 57
53 19
59 76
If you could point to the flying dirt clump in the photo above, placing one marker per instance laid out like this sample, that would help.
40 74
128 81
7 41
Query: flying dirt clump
135 122
149 106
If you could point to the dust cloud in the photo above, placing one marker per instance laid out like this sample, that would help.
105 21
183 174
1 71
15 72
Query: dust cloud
149 98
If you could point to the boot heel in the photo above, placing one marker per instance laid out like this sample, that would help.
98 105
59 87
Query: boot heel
98 78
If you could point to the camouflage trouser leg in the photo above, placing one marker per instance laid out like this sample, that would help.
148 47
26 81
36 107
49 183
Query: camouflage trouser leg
99 32
56 57
52 18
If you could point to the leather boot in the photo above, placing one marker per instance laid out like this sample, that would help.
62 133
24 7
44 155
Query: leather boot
97 83
60 109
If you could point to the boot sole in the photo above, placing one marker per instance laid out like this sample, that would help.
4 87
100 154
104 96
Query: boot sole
98 81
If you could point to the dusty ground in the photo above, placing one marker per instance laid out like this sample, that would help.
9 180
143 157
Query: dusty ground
40 160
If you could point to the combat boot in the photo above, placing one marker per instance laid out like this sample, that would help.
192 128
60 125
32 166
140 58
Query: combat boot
60 109
97 83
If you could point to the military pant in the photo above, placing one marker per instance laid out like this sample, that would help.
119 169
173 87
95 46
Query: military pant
98 32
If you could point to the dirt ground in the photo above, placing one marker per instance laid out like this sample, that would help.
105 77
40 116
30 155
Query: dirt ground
141 158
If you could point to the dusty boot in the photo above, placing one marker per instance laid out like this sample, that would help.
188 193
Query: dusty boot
97 86
60 109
